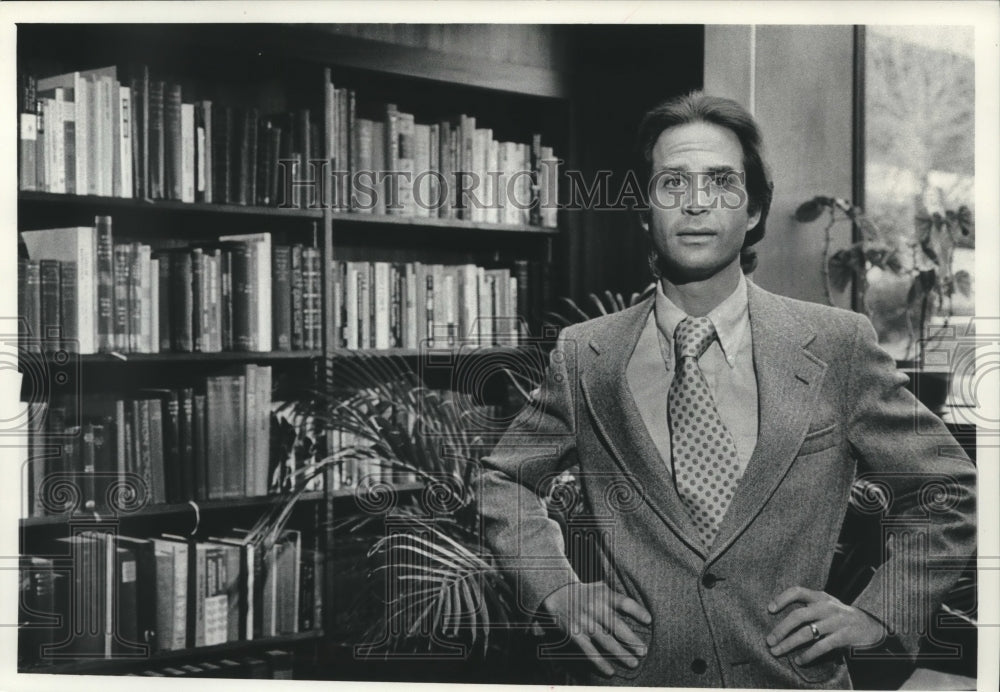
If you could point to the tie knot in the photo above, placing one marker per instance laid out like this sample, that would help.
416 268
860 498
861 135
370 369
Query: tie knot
693 336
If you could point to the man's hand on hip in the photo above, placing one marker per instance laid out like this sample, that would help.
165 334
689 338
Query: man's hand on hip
822 621
592 616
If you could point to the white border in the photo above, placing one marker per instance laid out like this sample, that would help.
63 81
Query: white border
985 16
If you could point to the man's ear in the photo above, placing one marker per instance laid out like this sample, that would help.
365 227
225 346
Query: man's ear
753 220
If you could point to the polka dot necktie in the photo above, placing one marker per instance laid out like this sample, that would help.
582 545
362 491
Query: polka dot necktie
704 454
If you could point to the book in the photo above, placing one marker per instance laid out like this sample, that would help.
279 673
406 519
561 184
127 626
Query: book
157 140
105 277
125 139
50 290
76 244
297 281
282 287
171 593
187 153
260 279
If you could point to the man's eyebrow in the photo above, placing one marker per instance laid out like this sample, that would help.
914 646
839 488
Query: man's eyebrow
681 168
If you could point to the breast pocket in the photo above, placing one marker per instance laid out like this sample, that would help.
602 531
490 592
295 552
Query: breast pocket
821 437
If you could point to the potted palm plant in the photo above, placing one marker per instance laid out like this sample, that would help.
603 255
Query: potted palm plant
917 271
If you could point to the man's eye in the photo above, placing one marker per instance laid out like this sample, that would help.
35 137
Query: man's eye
723 179
672 181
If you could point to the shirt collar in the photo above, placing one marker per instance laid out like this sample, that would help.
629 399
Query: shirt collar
730 318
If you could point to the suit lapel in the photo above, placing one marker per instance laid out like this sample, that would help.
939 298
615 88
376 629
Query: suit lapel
617 419
788 380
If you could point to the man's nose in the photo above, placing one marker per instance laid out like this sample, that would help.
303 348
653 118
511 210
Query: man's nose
696 201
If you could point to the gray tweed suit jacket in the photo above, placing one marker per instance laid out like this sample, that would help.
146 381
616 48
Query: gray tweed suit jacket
832 407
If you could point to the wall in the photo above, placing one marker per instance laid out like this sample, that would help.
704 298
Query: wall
799 82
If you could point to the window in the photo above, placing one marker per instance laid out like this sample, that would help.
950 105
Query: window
919 102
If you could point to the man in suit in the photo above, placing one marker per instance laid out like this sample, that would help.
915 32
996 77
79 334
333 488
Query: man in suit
718 429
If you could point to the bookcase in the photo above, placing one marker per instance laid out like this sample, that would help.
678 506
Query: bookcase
148 422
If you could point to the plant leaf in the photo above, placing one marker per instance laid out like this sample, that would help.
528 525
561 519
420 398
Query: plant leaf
809 211
839 269
963 282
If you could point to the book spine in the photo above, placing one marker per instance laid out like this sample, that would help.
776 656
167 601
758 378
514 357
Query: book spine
49 272
207 174
215 450
144 454
28 151
105 285
297 285
381 309
181 303
69 307
125 142
226 300
146 291
243 159
249 406
234 440
164 327
33 305
282 299
314 286
69 147
222 136
198 299
173 136
187 168
252 125
241 297
154 411
156 140
136 304
214 297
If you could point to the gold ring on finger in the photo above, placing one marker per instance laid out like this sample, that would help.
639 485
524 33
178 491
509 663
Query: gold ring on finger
815 631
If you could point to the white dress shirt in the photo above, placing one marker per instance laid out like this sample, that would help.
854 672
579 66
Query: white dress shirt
727 365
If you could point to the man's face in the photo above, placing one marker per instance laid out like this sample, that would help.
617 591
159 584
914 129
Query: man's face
698 205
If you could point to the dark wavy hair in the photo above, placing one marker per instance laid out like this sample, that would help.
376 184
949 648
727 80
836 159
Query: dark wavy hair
698 106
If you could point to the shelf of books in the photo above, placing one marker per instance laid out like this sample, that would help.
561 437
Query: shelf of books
201 241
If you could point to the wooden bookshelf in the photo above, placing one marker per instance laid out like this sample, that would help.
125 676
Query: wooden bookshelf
287 69
108 205
208 506
99 204
219 357
121 666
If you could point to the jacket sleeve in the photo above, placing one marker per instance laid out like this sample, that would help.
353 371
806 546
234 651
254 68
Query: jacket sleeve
539 444
909 455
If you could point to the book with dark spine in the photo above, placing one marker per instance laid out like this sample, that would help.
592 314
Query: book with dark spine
203 146
181 303
147 589
51 312
30 304
297 280
157 153
282 297
242 306
105 285
173 136
163 299
139 86
234 436
222 155
135 298
189 487
217 432
68 306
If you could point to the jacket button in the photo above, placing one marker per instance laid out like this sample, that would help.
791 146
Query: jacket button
709 580
699 666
